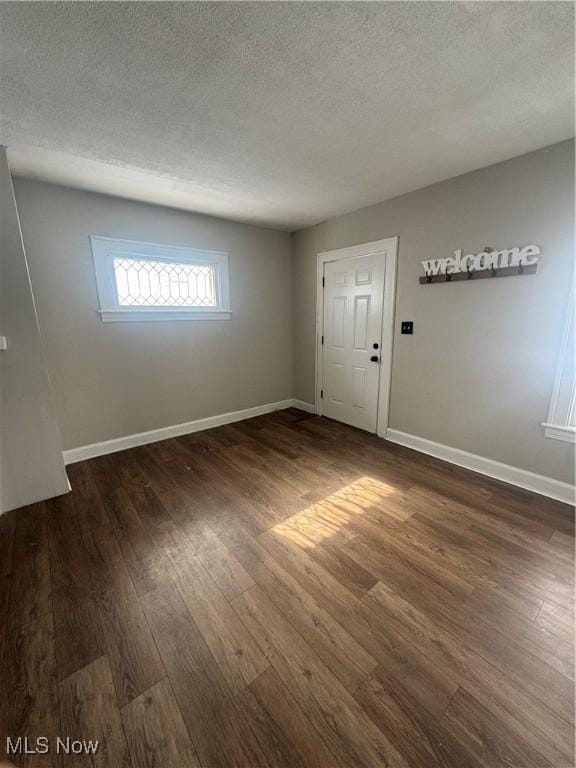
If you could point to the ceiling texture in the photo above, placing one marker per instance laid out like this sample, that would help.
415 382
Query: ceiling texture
279 113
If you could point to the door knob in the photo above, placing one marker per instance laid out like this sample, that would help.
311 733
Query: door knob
374 359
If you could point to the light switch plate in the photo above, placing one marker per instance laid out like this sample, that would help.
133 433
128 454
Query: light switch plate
3 342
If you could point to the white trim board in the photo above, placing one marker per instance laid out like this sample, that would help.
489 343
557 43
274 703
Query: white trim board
546 486
304 406
562 411
565 433
164 433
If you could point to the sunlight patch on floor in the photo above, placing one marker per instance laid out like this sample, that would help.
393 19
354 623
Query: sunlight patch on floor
331 515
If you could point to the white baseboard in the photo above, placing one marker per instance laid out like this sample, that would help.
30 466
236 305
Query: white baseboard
302 405
546 486
155 435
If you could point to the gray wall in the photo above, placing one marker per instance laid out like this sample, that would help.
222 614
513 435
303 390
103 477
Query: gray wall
31 466
117 379
478 372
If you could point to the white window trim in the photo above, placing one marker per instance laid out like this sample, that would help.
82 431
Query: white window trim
104 249
559 424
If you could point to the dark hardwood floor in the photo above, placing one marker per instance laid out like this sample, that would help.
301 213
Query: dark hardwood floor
288 591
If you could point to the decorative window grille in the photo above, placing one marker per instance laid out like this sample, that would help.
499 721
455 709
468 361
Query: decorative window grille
164 284
148 281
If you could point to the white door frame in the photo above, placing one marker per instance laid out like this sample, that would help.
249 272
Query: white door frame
389 247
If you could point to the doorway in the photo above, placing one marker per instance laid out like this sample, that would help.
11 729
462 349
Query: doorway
355 317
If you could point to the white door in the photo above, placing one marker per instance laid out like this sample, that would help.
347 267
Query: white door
353 299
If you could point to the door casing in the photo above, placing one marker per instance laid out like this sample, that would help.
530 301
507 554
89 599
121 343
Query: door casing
389 247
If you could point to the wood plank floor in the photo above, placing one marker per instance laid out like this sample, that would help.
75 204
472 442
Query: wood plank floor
288 591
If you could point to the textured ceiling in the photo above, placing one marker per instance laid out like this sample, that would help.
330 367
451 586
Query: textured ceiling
282 114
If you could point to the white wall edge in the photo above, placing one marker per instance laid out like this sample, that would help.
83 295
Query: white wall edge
302 405
546 486
164 433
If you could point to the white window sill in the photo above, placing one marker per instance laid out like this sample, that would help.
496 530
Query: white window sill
559 432
159 315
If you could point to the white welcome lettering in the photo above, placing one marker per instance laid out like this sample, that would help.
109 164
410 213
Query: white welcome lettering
489 259
433 267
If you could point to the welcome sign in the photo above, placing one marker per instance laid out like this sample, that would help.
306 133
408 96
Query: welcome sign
488 263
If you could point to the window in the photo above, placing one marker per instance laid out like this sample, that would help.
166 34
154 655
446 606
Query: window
561 422
148 281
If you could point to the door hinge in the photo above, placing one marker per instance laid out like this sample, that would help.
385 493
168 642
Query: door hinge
322 339
323 282
321 394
